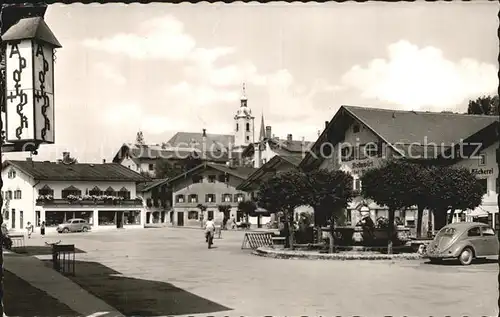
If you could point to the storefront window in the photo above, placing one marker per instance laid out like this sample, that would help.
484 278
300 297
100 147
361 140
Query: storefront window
85 215
132 217
193 215
53 218
107 218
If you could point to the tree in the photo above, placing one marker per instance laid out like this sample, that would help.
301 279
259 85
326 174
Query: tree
226 210
329 192
139 138
164 169
452 188
247 207
283 193
485 105
387 185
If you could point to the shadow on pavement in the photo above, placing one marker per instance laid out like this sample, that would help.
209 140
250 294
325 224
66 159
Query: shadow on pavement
457 263
137 297
38 250
22 299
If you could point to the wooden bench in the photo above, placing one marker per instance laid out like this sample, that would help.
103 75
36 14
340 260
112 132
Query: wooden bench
254 240
18 241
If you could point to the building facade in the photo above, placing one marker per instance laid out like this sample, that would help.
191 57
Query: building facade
358 138
102 194
157 198
210 185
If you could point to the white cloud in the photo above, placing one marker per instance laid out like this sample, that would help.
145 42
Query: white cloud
132 115
160 38
200 95
110 73
416 77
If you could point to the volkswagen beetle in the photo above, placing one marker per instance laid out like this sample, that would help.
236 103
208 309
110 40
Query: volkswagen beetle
464 241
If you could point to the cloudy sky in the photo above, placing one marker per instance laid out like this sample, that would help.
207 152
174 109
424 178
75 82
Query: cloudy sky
164 68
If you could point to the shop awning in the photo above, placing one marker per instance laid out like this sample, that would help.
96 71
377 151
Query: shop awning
482 211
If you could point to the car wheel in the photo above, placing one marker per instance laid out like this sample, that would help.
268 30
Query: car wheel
466 256
85 229
436 260
65 230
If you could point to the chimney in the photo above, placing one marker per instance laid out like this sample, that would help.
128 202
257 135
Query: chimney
268 132
103 161
326 124
289 138
204 133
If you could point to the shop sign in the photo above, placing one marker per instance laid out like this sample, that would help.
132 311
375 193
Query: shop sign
482 171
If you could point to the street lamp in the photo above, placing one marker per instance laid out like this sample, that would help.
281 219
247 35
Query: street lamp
27 96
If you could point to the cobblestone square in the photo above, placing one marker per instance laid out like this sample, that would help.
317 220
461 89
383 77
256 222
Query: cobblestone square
252 285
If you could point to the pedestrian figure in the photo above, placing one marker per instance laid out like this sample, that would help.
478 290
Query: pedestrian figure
233 223
42 229
29 228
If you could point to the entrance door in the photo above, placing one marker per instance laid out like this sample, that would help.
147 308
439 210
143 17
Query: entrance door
171 217
119 219
180 218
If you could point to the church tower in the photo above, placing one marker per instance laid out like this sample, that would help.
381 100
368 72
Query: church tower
243 125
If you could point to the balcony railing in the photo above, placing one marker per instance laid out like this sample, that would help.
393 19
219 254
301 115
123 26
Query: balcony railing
83 202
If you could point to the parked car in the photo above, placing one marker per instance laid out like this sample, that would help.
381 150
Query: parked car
74 225
464 241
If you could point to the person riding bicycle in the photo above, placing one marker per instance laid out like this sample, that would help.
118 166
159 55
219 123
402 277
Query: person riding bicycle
209 228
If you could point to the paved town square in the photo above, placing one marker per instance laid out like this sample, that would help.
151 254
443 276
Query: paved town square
229 281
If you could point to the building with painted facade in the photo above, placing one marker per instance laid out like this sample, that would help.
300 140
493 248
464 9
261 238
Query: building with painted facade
102 194
211 185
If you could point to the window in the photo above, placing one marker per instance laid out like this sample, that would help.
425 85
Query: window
13 219
211 178
484 183
71 190
124 193
151 167
210 214
179 198
370 150
9 195
474 232
488 232
17 194
482 159
85 215
347 154
357 184
223 178
96 191
210 198
46 190
226 198
248 138
106 218
237 127
197 179
248 127
132 217
21 219
355 128
11 174
239 198
193 215
53 218
193 198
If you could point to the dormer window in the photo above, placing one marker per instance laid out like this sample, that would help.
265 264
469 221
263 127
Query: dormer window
355 128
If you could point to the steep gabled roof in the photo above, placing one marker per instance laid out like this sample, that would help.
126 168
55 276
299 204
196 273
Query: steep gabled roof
237 171
145 187
402 129
269 168
52 171
186 139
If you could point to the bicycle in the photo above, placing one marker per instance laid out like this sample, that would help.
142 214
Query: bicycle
210 239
